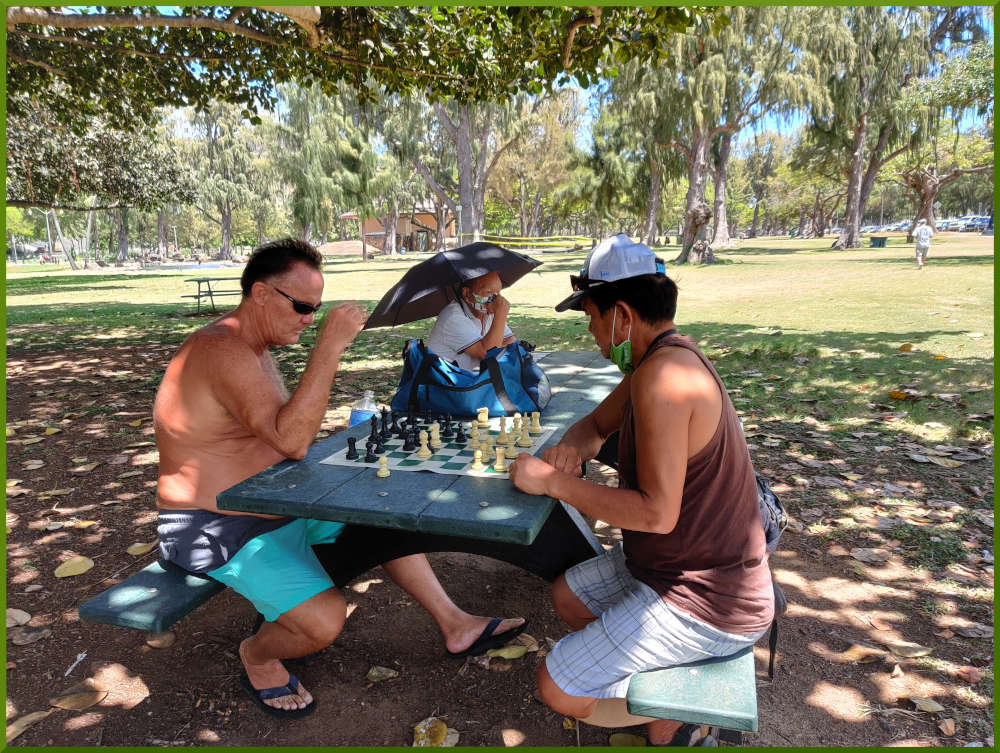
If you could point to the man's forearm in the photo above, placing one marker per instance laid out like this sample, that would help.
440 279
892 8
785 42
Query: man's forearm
622 508
299 419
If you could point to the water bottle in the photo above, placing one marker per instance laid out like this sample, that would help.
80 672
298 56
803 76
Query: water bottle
363 409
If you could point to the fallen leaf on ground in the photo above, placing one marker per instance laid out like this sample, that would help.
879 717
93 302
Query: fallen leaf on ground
927 704
17 617
500 665
508 652
76 566
975 630
10 432
129 474
54 525
56 492
377 674
525 640
430 733
81 696
33 465
50 430
118 459
32 440
25 634
568 723
862 654
626 740
135 423
161 640
16 491
945 462
908 650
878 624
84 468
20 725
946 634
906 347
947 727
870 555
82 523
139 548
969 674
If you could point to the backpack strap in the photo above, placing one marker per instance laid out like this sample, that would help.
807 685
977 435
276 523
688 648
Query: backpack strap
772 644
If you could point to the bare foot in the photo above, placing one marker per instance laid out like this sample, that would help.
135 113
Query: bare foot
471 629
272 674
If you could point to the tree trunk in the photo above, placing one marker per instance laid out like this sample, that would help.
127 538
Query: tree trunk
694 204
648 232
720 238
849 237
259 220
536 210
802 221
522 201
225 251
122 224
756 217
87 234
364 243
161 233
391 220
62 241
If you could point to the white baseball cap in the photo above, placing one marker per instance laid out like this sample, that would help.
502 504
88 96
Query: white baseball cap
616 258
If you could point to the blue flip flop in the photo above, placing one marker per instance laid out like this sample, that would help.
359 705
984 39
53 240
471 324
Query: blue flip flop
259 695
488 639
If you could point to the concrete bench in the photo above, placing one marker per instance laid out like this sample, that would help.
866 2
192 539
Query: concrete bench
151 600
877 241
718 692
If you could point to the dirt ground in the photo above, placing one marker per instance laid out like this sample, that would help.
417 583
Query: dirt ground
847 668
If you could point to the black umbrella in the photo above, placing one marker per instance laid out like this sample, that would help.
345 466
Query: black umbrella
433 283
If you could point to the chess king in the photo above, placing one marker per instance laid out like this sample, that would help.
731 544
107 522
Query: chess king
690 579
223 414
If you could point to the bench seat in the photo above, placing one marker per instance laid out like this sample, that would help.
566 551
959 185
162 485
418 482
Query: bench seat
719 692
151 600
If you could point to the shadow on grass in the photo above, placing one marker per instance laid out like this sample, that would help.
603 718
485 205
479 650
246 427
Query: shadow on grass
72 283
932 260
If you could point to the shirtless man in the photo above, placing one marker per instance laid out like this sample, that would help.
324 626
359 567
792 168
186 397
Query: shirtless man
691 578
222 414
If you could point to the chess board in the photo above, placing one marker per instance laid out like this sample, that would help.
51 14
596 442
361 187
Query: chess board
452 457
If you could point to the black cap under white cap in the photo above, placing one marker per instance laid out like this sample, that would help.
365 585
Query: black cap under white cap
616 258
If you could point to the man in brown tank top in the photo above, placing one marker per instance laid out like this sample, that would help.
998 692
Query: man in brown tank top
691 579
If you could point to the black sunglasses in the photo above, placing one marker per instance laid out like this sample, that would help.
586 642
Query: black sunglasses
300 307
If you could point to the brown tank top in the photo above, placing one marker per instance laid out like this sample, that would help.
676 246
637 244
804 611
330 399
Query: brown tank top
713 565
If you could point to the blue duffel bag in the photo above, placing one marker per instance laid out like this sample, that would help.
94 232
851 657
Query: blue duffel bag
509 381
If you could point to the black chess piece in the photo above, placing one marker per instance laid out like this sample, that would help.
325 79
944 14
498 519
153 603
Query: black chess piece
447 432
411 419
379 446
460 434
395 425
428 417
408 444
374 431
370 457
352 450
386 431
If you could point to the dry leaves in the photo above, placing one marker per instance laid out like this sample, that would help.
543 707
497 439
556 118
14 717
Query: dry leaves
947 727
927 704
161 640
20 725
25 634
17 617
434 733
975 630
863 554
76 566
140 548
85 468
508 652
970 674
33 465
81 696
377 674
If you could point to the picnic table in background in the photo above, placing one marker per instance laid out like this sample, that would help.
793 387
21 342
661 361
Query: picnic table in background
205 289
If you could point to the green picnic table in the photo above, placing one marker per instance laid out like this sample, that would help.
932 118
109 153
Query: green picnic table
540 534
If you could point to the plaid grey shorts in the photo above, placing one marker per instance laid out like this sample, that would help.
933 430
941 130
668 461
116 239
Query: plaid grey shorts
635 630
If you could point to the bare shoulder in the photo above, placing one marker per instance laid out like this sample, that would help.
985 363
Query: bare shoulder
218 341
673 373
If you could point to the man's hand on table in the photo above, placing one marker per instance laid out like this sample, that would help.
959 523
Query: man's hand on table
530 474
563 457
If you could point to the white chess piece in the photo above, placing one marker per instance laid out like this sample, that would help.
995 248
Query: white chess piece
510 449
502 436
536 424
477 461
524 440
483 417
501 463
424 451
517 423
474 435
383 467
435 440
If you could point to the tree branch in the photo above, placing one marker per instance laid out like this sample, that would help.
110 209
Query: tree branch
306 16
115 50
39 63
592 20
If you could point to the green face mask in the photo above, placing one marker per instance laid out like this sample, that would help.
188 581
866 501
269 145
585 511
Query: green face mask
621 354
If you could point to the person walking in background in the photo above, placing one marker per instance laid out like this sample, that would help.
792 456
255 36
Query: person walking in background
923 234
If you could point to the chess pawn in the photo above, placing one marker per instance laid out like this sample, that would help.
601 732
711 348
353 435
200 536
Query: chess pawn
424 451
502 436
483 417
536 424
501 464
460 437
510 449
524 440
408 445
517 423
383 467
370 457
477 461
474 435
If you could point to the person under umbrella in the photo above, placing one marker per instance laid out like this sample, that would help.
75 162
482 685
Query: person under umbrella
470 326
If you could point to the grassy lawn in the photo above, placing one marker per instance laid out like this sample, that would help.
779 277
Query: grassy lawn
795 329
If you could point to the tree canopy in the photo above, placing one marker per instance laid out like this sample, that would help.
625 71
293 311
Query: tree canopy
126 61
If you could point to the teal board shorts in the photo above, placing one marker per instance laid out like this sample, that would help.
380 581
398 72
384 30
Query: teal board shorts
277 570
